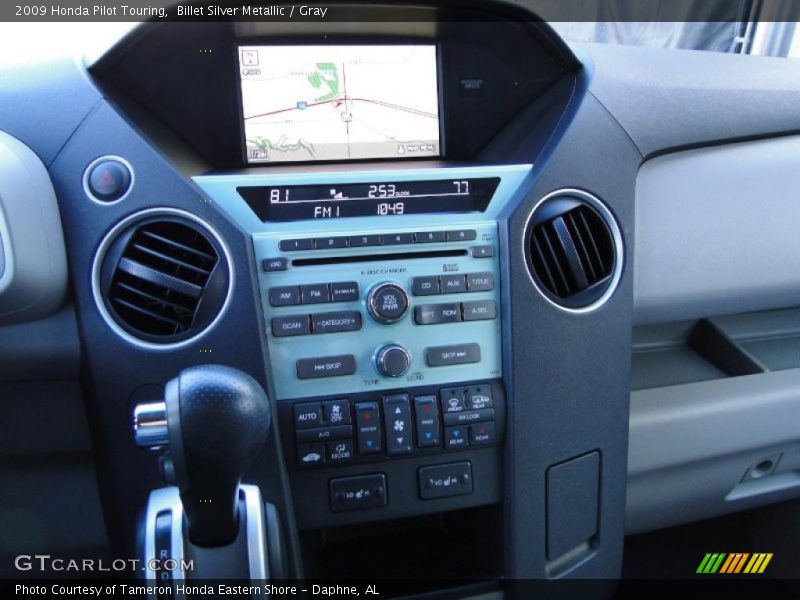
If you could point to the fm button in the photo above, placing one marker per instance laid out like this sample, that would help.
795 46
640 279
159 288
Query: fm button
387 303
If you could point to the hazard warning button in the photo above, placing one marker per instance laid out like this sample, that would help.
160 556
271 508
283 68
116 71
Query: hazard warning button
108 180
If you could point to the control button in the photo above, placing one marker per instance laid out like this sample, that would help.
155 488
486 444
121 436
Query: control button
425 286
480 282
344 291
397 413
458 354
468 416
479 310
387 303
340 452
323 434
482 434
455 438
453 399
109 180
284 296
394 239
299 244
392 361
486 251
453 284
336 412
368 427
431 314
430 237
442 481
336 321
310 454
315 294
326 366
293 325
331 242
461 235
352 493
307 415
360 241
274 264
479 397
427 421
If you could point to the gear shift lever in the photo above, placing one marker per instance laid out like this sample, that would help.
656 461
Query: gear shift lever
215 420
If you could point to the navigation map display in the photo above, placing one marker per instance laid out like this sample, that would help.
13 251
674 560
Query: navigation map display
316 103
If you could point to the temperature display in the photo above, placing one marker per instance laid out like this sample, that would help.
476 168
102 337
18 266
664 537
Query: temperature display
298 202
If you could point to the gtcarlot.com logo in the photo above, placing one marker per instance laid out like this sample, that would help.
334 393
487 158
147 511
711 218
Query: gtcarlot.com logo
734 563
45 562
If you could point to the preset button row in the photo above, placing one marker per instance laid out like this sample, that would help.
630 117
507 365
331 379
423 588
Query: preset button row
455 312
386 239
317 293
452 284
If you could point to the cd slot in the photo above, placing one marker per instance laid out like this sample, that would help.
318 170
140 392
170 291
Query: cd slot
358 258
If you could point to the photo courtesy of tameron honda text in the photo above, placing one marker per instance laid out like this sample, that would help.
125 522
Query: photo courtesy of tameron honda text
410 299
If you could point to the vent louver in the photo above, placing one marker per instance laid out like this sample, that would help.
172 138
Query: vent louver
163 279
572 250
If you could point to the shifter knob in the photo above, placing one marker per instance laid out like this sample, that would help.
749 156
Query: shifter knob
217 421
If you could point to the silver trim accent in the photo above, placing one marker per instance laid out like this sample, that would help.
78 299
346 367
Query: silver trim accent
100 254
164 499
616 234
150 424
257 551
373 311
88 191
381 356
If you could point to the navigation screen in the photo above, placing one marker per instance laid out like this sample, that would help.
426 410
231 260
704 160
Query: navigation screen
311 103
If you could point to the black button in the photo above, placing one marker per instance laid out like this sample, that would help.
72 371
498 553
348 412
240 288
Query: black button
340 451
364 491
393 239
296 244
326 366
486 251
458 354
387 302
397 413
284 296
344 291
331 242
336 412
307 415
453 284
453 399
323 434
336 321
425 286
310 454
109 180
427 421
468 416
368 427
359 241
315 294
431 314
443 481
461 235
480 282
482 434
430 237
455 438
293 325
479 397
274 264
479 310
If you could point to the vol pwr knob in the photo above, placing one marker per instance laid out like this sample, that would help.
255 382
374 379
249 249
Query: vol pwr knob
387 303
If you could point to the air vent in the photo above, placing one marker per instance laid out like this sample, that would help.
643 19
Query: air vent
163 279
572 243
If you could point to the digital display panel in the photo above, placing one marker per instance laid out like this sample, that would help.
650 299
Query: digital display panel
337 103
300 202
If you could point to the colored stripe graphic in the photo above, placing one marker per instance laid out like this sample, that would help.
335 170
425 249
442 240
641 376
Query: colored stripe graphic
711 562
734 563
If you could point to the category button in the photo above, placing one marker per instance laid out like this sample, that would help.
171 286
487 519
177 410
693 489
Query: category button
368 427
458 354
326 366
336 321
431 314
284 296
307 415
453 284
315 294
345 291
427 421
480 282
425 286
479 310
398 424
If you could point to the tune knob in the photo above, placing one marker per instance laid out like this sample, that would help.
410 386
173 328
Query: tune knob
392 360
387 303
